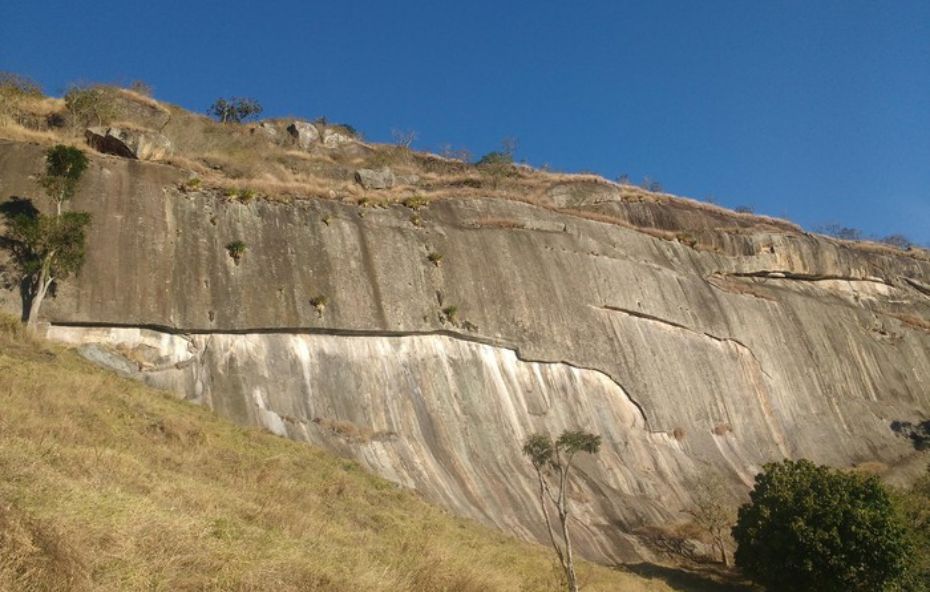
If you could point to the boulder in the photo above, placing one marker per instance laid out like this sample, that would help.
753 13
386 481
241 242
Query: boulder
128 143
266 130
408 179
335 137
304 133
375 178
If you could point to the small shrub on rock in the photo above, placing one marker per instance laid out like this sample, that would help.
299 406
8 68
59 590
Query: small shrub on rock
236 250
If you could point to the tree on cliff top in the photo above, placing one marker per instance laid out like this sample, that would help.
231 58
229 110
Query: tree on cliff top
812 528
235 109
553 464
47 248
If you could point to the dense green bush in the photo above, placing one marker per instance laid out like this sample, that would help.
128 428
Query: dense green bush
914 507
810 528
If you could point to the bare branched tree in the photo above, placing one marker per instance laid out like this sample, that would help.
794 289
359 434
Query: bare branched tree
553 464
714 514
404 138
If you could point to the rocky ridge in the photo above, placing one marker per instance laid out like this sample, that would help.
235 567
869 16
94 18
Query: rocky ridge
694 341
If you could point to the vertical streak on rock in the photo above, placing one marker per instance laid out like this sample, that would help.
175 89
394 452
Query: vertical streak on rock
754 373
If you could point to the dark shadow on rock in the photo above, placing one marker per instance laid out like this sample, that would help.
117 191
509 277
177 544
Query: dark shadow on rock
13 208
918 434
690 580
18 206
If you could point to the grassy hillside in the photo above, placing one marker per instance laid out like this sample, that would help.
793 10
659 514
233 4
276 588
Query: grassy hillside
109 485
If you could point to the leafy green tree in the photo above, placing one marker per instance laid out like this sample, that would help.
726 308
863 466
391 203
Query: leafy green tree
914 508
48 248
64 166
235 109
553 464
810 528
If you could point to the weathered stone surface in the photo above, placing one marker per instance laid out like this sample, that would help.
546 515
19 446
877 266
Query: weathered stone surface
268 130
128 143
774 343
488 398
333 138
408 179
305 134
375 178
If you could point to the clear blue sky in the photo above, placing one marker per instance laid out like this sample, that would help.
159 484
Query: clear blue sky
818 111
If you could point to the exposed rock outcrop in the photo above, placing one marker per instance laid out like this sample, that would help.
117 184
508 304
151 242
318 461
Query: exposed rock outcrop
305 134
268 130
382 178
334 137
128 143
687 360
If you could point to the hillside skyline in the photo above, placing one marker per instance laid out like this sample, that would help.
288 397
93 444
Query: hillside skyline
813 113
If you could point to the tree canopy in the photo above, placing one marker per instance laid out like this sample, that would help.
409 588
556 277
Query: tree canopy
235 109
64 166
813 528
57 241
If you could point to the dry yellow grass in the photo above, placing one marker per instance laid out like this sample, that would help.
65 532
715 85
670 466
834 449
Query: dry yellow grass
108 485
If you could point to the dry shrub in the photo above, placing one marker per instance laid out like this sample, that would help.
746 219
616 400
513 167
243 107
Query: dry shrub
674 542
679 434
721 429
11 327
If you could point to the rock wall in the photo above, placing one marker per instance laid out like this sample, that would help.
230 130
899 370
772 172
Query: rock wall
690 360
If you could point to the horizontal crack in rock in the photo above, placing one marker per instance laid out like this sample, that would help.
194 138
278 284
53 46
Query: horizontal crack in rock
655 319
806 277
481 340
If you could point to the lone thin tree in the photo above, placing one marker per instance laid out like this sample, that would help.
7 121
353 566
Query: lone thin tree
553 464
48 248
235 109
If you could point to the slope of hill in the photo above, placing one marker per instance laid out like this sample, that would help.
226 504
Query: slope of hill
110 485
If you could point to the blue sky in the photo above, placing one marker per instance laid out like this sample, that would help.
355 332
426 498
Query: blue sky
818 111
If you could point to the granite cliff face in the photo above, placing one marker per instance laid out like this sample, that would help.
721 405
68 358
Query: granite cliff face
741 342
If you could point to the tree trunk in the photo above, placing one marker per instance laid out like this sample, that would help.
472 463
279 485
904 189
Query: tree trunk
563 518
569 558
542 505
41 289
